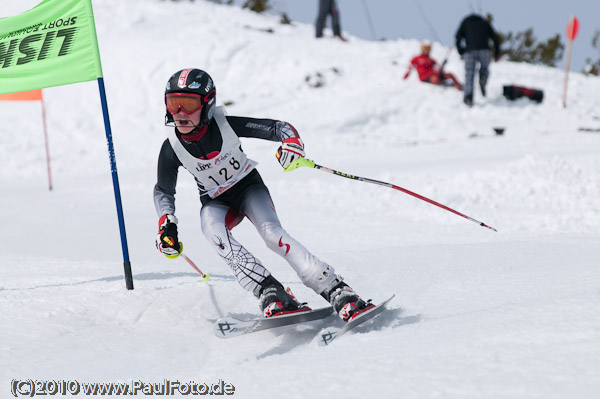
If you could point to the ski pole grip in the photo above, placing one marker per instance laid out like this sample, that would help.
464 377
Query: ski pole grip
300 162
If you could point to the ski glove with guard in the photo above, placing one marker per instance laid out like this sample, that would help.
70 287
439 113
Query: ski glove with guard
289 151
167 241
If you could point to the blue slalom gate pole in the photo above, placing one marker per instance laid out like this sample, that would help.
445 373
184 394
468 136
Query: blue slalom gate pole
115 179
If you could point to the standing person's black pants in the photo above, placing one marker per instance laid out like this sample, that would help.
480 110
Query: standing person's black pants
327 7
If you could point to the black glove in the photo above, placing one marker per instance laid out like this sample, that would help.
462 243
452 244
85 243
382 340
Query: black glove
167 240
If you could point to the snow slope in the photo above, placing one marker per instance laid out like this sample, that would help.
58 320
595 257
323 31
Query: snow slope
477 314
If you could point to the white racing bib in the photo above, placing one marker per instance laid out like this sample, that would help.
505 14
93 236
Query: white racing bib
220 173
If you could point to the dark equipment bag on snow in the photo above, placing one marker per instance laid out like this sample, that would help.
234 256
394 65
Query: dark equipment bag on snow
513 92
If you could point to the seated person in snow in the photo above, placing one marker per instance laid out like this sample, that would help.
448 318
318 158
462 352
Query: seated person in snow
429 70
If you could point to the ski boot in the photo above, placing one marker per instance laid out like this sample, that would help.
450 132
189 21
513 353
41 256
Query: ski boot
468 100
277 301
482 84
346 303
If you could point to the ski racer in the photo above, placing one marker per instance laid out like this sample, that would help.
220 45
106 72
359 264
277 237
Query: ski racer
206 142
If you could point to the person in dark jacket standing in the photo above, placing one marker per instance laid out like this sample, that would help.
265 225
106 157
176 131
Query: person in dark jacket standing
327 7
473 43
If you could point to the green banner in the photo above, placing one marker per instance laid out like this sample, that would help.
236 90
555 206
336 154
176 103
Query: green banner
52 44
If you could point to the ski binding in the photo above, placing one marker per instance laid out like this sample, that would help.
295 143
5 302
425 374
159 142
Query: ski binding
329 334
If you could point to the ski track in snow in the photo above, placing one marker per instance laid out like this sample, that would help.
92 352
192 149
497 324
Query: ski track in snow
477 314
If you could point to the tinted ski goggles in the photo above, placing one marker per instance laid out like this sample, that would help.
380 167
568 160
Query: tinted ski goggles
186 102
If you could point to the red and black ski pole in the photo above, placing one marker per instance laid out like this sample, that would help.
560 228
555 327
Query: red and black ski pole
205 276
305 162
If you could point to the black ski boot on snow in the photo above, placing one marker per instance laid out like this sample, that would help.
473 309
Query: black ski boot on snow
275 300
468 100
482 84
346 303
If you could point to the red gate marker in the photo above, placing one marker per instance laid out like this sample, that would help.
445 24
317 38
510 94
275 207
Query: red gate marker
572 28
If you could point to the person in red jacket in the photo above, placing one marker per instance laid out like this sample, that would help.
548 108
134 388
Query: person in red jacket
428 69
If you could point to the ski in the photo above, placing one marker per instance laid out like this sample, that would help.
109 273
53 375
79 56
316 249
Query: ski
229 327
329 334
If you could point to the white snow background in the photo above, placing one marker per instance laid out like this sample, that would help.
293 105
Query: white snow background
477 314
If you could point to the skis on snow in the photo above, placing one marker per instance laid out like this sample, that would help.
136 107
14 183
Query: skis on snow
229 327
329 334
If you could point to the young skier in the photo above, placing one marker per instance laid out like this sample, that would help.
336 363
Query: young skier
428 69
205 141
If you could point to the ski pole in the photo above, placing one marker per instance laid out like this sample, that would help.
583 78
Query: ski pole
205 276
305 162
369 20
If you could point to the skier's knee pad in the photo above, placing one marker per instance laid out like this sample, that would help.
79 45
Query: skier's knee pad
208 227
271 233
211 219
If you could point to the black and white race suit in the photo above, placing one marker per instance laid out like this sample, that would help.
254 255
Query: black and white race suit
230 188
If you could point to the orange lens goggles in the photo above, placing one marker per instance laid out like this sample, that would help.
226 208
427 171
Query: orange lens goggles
186 102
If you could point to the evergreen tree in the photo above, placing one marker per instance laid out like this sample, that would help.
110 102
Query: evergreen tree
523 47
258 6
